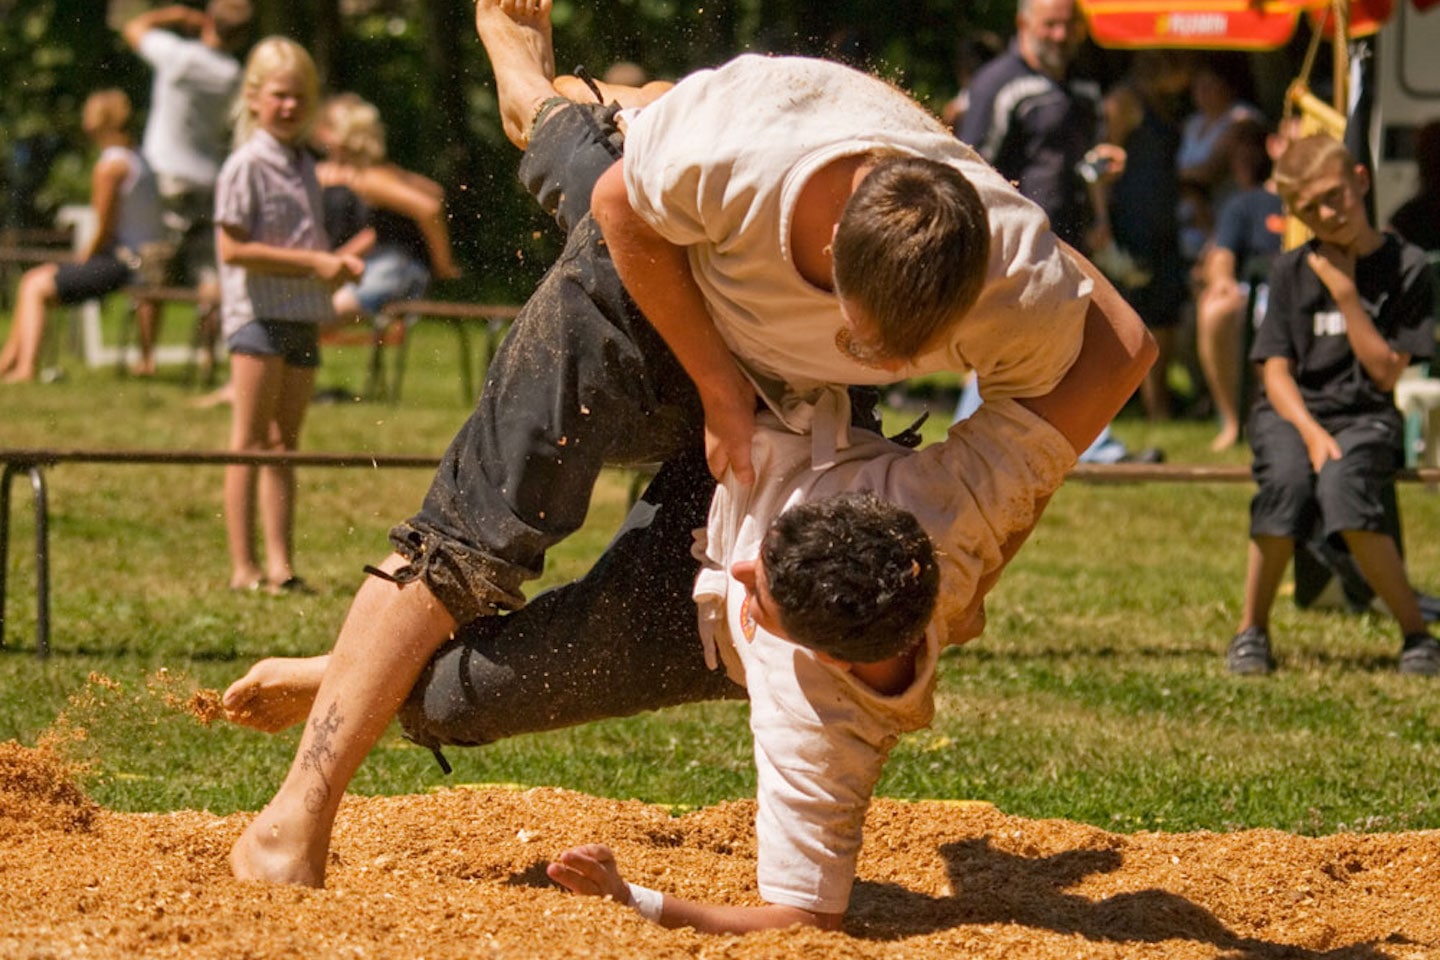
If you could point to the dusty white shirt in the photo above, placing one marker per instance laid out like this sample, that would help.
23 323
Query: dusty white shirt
716 166
821 737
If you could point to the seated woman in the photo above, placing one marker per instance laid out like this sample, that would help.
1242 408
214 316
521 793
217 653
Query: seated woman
127 218
396 218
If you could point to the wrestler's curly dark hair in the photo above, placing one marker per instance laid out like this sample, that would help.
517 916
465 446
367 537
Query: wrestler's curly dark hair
853 576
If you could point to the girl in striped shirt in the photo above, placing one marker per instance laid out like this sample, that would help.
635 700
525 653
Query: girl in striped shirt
276 276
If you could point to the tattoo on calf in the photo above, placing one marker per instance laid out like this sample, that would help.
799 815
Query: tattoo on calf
318 754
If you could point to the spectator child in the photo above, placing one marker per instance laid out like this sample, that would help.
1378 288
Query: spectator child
1348 312
276 275
127 219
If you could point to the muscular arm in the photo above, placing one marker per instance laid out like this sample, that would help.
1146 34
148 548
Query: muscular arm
657 275
1116 352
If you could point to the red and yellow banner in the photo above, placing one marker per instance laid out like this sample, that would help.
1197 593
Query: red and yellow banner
1221 24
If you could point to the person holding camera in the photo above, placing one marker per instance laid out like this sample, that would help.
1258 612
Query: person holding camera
1038 123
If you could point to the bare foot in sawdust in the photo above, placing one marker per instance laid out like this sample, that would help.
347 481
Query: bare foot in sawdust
275 693
267 852
516 36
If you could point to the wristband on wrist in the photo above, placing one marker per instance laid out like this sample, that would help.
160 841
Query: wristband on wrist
648 903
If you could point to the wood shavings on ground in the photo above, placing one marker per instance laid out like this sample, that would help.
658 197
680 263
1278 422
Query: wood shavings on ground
460 873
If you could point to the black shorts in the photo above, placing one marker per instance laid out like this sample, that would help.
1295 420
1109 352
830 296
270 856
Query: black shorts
1348 494
188 213
101 274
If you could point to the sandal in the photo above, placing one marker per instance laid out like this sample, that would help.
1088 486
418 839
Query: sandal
291 585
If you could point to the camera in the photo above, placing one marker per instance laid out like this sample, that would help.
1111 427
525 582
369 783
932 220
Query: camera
1093 167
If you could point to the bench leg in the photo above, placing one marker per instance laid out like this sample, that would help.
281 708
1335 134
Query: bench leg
402 356
377 384
42 551
204 345
467 379
129 321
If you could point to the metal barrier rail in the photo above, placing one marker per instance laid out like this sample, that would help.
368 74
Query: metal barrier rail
32 462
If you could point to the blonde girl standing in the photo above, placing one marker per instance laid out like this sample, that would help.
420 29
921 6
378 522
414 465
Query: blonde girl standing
276 277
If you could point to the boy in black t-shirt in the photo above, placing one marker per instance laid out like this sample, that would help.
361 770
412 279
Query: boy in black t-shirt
1349 311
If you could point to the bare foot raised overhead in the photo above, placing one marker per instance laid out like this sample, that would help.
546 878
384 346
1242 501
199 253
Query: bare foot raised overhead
516 36
275 694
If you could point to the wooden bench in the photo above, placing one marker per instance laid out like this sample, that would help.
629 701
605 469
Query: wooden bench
16 258
396 319
24 247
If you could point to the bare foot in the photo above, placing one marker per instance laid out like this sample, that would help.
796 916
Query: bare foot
246 579
516 35
573 88
1228 436
266 851
275 693
223 394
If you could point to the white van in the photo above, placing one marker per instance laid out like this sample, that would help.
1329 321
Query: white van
1407 80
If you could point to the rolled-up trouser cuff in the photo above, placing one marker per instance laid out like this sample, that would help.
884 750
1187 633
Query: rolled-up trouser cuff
468 584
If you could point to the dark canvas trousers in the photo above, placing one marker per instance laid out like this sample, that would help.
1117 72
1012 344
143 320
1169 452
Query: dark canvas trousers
581 382
620 641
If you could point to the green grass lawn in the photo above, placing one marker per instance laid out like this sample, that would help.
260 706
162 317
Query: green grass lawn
1097 694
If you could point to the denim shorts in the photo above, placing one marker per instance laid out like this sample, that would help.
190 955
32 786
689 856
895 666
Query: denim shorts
295 341
390 274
